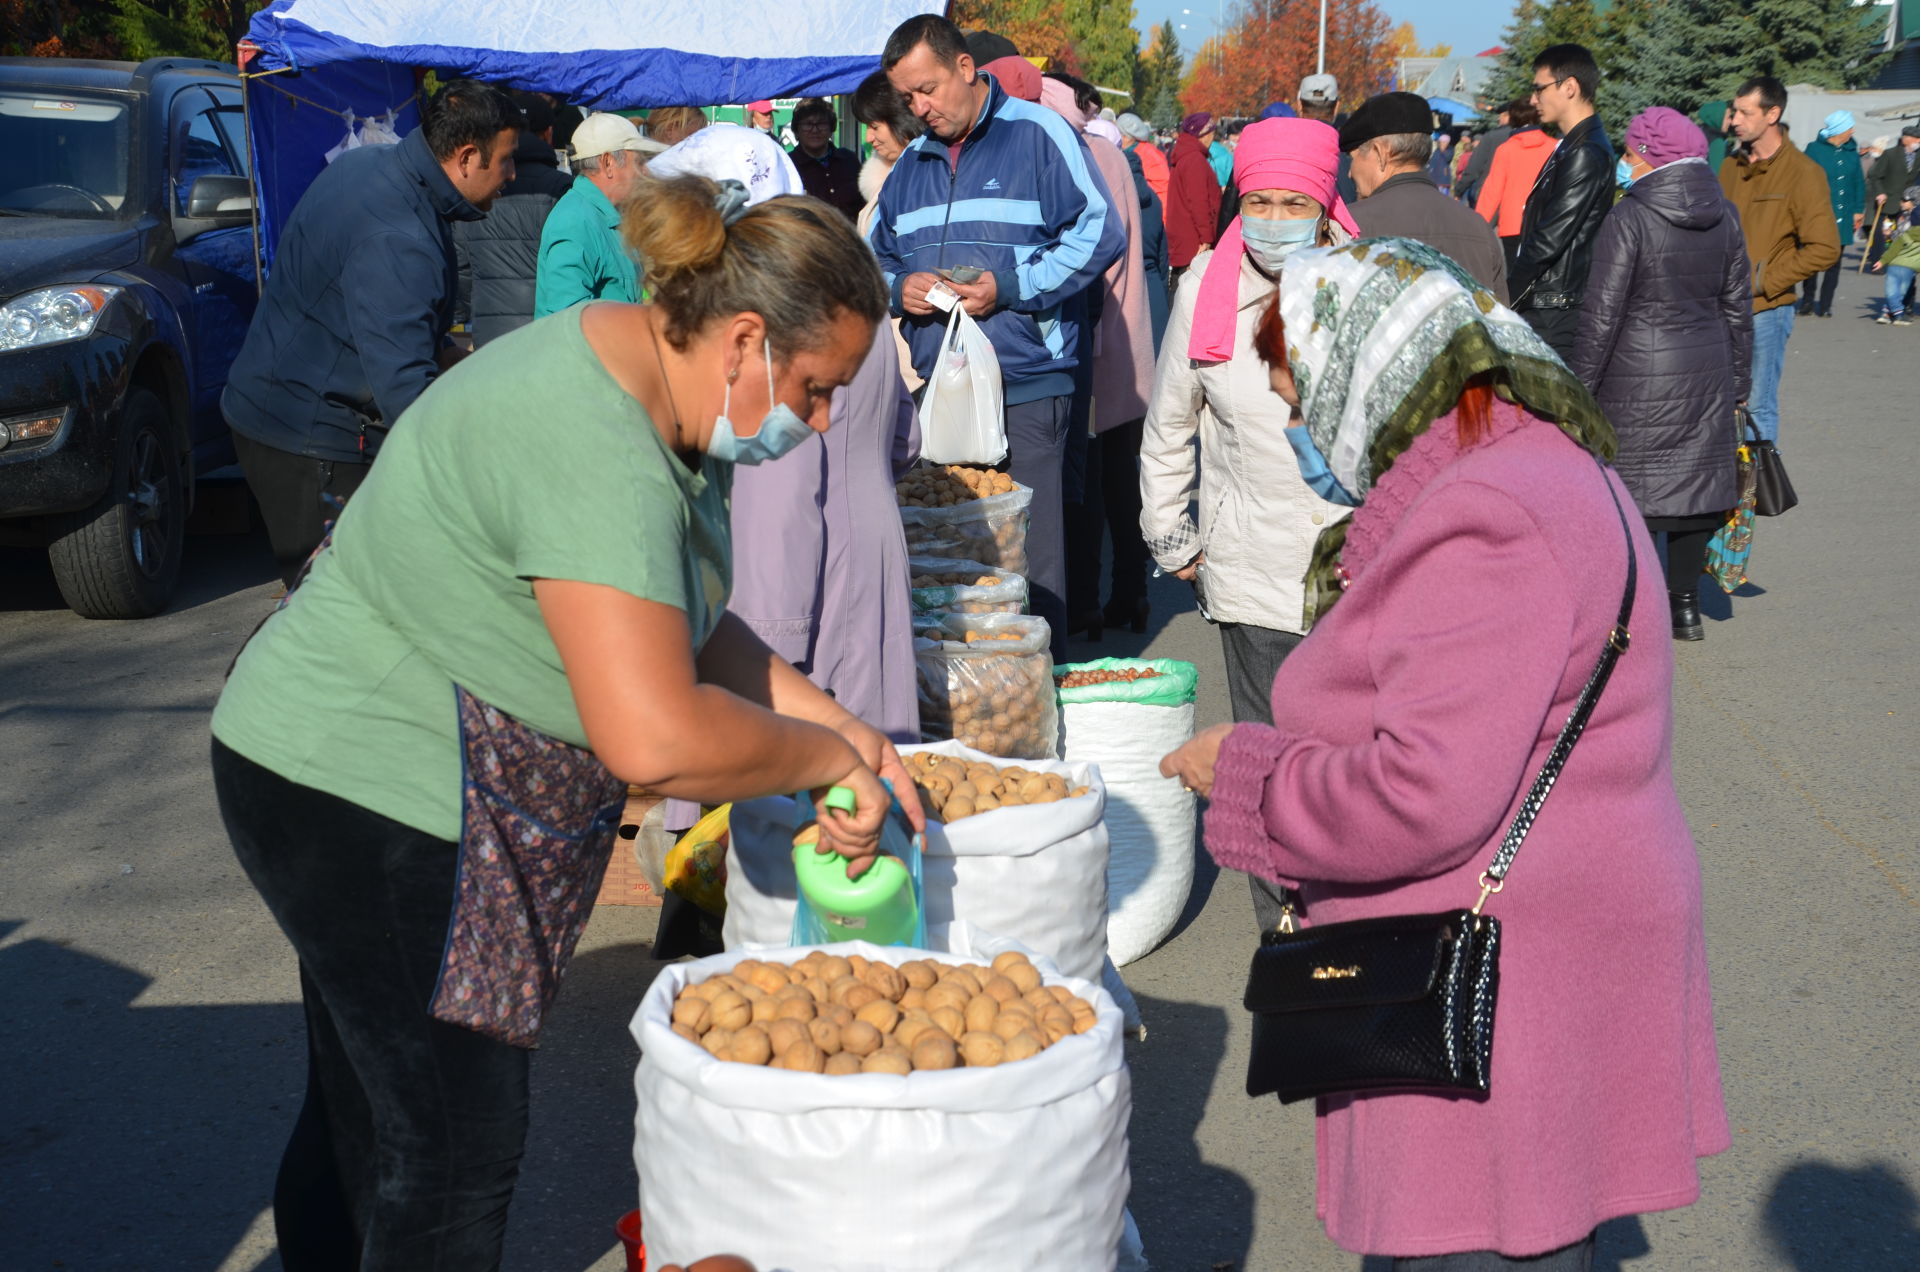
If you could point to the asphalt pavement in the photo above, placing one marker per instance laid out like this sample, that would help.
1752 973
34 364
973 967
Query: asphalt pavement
151 1047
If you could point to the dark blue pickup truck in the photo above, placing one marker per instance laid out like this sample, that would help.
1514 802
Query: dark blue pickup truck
126 285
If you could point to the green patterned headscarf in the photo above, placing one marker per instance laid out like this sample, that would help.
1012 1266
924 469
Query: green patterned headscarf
1382 336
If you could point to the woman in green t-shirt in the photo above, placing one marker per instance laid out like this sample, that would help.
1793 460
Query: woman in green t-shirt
421 757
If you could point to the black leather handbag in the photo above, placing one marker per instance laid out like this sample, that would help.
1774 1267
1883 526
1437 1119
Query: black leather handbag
1773 491
1404 1002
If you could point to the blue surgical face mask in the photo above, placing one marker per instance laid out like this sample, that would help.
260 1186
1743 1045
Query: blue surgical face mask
1314 470
778 433
1622 173
1271 242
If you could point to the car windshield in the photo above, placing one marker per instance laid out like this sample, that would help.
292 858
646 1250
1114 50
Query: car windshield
65 155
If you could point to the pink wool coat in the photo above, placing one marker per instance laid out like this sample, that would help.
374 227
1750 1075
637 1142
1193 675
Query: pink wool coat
1123 342
1407 726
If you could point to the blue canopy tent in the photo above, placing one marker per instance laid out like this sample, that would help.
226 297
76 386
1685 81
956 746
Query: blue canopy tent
308 63
1461 112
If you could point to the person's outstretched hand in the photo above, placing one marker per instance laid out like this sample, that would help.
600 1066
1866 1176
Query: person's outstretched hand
1193 762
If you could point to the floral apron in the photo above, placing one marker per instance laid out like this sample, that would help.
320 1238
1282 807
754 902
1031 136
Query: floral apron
538 819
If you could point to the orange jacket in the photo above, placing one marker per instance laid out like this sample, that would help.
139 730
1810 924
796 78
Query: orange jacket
1153 166
1516 166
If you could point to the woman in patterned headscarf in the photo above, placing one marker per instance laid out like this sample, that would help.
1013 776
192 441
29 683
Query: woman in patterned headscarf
1476 583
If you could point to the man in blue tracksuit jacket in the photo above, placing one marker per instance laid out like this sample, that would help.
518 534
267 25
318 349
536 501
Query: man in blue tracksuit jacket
1008 186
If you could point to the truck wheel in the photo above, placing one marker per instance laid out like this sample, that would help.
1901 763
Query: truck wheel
121 557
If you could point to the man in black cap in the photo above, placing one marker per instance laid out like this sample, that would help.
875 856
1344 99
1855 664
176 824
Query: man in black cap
1897 168
1389 142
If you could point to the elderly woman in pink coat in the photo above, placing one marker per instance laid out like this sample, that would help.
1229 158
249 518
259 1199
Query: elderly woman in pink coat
1462 608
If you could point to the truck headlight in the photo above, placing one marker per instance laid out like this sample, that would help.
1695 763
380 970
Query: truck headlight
53 315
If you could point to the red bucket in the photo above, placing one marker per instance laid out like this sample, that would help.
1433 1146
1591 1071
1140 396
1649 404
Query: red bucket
628 1230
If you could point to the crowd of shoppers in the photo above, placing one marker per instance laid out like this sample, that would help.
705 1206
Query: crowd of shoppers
1277 360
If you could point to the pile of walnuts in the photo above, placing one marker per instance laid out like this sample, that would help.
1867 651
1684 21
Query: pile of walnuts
949 485
1113 675
951 789
842 1016
952 579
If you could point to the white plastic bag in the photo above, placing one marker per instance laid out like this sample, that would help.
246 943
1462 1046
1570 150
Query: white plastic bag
1006 594
1020 1166
963 410
987 680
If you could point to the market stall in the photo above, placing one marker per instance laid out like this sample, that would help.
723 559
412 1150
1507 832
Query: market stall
312 67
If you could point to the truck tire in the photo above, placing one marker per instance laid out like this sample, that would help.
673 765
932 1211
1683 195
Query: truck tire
121 557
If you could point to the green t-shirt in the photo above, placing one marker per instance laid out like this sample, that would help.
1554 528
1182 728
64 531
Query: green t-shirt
581 255
526 461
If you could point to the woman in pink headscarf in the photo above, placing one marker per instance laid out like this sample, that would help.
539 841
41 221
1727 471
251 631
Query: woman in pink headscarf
1248 552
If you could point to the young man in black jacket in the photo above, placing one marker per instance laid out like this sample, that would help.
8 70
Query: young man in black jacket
1569 201
500 255
353 324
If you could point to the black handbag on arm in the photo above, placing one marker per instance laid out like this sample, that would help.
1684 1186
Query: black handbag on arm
1773 491
1404 1002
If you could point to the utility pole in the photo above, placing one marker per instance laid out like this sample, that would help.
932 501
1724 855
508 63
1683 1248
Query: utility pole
1320 67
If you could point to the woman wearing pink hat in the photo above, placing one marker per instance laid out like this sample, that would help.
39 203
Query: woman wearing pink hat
1248 552
1666 342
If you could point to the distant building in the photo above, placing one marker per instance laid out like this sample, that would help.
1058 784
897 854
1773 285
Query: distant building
1902 21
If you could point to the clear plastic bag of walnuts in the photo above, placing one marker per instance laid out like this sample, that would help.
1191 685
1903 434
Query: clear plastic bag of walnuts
944 585
988 682
970 514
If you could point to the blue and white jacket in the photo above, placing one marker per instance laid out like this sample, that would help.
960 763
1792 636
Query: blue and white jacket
1024 201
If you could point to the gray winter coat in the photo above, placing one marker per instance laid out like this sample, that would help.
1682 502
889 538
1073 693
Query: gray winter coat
1666 338
499 257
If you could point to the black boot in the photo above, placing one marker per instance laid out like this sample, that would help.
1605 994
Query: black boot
1686 615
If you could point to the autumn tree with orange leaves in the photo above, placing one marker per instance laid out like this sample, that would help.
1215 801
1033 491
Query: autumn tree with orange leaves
1272 44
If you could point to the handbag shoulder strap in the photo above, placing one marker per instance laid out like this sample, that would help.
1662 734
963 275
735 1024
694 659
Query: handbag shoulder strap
1494 877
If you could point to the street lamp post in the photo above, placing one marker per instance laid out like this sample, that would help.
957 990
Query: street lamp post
1320 68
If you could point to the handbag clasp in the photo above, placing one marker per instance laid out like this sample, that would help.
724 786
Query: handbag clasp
1489 886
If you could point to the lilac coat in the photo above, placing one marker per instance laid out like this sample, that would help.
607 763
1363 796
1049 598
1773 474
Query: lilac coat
1123 342
819 554
1406 728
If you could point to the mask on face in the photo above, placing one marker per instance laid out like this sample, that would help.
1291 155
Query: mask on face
778 433
1314 470
1622 173
1271 242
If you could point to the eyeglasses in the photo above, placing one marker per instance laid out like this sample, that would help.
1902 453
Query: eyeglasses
1541 88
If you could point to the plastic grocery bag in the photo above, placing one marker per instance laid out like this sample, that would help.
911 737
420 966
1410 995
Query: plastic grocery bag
1126 727
1006 594
962 411
1019 1166
1731 546
992 531
696 866
987 680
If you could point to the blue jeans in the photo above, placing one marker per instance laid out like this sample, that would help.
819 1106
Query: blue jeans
1771 327
1899 278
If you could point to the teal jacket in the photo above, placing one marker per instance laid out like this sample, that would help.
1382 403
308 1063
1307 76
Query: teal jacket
1846 183
581 255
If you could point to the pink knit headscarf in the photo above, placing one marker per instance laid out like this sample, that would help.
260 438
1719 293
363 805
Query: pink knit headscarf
1273 154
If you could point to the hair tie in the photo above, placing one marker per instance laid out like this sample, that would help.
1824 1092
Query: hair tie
731 200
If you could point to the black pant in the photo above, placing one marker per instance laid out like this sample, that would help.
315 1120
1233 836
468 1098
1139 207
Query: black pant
1577 1257
291 491
1687 539
408 1145
1036 453
1254 655
1558 327
1110 504
1818 296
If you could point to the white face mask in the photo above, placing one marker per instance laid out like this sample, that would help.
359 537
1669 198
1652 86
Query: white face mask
1271 242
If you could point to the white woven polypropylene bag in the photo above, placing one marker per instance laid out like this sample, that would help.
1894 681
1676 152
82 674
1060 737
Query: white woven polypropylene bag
1035 874
1150 818
1019 1166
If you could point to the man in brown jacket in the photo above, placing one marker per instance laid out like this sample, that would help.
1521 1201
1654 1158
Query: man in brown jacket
1390 143
1781 196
